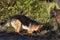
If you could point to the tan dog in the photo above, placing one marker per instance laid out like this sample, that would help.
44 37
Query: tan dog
17 25
19 22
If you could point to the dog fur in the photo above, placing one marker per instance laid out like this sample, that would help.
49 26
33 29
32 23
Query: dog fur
19 22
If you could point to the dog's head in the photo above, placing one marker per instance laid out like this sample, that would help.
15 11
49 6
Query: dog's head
38 27
35 28
53 12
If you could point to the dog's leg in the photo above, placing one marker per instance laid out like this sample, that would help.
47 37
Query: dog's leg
16 24
31 29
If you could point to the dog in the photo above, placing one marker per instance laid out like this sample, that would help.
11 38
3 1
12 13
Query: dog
19 22
55 14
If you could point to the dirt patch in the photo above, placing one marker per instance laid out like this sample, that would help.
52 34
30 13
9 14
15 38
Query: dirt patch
15 36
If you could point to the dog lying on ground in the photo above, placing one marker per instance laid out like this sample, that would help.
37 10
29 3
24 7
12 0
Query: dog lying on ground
19 22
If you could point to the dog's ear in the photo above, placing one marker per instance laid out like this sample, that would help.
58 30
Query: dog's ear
55 8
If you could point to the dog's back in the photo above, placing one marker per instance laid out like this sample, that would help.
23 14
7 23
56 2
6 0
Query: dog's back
24 20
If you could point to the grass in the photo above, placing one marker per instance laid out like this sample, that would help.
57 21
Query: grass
34 9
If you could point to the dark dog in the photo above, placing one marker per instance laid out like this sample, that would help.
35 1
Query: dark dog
55 14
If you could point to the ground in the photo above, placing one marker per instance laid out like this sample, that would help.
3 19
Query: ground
14 36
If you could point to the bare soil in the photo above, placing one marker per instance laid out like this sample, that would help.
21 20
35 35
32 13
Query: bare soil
14 36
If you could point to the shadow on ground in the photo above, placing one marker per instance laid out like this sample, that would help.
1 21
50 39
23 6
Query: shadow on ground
14 36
